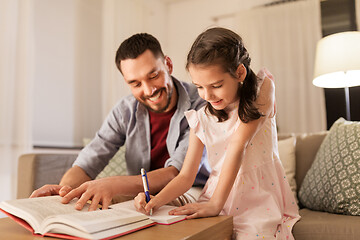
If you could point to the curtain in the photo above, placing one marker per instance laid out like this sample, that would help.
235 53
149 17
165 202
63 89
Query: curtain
120 20
16 76
357 12
111 80
283 39
113 87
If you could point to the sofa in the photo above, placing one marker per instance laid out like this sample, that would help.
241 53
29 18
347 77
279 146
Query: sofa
318 225
37 169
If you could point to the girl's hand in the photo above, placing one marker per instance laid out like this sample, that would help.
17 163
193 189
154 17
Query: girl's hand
197 210
140 202
141 205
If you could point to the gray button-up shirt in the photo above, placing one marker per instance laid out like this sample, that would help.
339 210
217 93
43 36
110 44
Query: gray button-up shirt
128 123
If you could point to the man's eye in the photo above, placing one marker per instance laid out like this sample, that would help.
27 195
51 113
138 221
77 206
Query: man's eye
152 76
217 86
136 84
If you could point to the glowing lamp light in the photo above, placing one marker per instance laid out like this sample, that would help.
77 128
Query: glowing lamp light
337 63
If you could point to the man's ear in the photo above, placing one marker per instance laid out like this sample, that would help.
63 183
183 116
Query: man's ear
241 73
168 64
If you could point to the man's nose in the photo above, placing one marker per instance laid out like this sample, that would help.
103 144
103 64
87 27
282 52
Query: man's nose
149 89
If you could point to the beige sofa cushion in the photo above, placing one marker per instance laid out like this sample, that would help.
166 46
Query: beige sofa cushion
326 226
37 169
307 146
287 157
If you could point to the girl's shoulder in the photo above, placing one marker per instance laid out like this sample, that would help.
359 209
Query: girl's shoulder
266 93
193 116
264 72
264 76
195 112
201 116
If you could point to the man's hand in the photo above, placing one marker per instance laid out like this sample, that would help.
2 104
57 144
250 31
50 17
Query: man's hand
98 191
73 177
49 190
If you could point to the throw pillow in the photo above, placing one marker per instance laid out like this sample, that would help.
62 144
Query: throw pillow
116 165
287 157
332 183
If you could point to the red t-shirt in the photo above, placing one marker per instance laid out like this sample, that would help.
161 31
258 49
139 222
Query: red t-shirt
159 127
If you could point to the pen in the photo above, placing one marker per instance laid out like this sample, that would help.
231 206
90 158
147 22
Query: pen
146 186
99 205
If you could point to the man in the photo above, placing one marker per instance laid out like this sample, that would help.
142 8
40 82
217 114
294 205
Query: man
150 122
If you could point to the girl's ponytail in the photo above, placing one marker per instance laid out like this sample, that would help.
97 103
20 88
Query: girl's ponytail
248 92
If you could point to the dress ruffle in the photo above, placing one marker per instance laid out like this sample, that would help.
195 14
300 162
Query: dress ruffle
192 118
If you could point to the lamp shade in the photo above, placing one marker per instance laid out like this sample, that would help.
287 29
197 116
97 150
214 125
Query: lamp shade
337 61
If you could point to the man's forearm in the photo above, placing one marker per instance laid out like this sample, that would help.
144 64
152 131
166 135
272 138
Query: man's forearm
74 177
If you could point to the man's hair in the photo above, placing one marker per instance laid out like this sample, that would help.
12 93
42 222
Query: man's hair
137 44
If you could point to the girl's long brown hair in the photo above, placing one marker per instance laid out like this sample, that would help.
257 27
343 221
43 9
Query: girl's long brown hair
223 47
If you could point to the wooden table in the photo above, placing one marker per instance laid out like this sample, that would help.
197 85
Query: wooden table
217 228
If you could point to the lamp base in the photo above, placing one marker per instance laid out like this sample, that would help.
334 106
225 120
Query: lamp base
347 103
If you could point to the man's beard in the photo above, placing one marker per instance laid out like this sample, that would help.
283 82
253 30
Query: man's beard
167 103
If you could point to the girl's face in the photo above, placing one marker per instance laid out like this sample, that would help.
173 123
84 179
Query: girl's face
215 86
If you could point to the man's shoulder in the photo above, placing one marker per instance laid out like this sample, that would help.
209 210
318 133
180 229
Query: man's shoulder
190 90
189 87
128 101
126 105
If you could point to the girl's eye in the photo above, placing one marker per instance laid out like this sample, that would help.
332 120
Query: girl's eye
217 86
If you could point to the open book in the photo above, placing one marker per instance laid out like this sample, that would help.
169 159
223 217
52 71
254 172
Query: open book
48 216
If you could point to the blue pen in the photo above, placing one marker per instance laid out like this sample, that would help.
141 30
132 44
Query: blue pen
146 186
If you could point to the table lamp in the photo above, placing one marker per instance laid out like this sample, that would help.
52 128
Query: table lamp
337 63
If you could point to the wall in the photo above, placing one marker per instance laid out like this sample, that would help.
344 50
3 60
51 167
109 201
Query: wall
87 70
67 71
54 68
121 19
76 80
187 19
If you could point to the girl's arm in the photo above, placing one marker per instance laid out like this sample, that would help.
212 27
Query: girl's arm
234 156
181 183
240 140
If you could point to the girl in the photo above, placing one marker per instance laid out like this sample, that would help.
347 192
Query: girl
247 179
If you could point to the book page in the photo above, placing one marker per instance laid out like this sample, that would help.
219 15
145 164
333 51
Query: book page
95 221
160 216
35 210
105 234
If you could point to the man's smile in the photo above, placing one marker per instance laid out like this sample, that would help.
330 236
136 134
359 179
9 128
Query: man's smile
156 96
